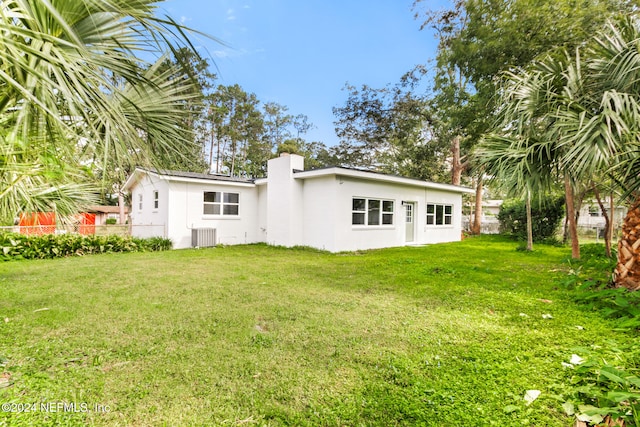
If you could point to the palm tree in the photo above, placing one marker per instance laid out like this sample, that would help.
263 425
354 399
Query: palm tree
607 135
524 154
516 168
586 117
72 87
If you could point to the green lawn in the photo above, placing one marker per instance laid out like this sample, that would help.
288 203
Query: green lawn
443 335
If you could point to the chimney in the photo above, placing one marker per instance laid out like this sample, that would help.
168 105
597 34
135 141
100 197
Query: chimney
284 200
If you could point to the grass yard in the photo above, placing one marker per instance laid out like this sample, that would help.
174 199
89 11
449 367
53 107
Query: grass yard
443 335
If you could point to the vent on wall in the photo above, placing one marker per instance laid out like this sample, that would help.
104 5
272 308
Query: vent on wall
203 237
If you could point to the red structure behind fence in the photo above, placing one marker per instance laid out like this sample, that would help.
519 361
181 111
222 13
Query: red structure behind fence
45 223
38 223
87 223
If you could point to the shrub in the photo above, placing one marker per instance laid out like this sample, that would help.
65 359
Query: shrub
604 386
156 244
591 284
111 221
14 246
546 216
604 383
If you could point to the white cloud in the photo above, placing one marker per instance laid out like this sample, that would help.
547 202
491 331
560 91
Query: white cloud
221 53
234 53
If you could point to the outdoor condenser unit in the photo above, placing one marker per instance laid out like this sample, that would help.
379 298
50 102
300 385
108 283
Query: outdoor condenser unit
203 237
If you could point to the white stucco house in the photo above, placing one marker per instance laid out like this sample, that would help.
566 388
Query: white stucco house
334 209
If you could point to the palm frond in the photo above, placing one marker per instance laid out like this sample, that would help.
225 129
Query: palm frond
72 81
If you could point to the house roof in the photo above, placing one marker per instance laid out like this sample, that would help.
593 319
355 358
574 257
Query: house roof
184 177
380 177
492 203
106 209
207 176
297 174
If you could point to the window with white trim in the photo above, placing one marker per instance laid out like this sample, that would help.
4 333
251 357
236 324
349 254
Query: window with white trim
140 201
438 214
156 199
221 203
371 212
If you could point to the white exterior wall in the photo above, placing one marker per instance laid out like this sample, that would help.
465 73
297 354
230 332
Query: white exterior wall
284 201
186 213
441 233
329 223
586 219
311 208
180 209
321 212
148 221
262 212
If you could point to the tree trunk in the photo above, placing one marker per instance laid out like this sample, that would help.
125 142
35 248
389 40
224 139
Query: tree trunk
234 146
457 167
571 216
577 205
612 213
627 272
123 217
565 229
578 200
529 223
218 154
607 223
477 217
211 151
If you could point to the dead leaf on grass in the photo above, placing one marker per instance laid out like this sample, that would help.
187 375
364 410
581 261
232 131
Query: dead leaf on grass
246 421
531 395
5 380
108 368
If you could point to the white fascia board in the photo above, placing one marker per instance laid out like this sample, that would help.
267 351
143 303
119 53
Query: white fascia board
372 176
206 181
132 180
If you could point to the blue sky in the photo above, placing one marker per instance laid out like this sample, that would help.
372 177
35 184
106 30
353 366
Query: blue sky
301 53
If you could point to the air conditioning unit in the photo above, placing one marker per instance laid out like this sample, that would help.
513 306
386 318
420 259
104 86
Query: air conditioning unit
203 237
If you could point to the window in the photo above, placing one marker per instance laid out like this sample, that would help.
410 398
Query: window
371 212
408 210
221 203
156 199
359 211
594 211
439 214
387 212
140 201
